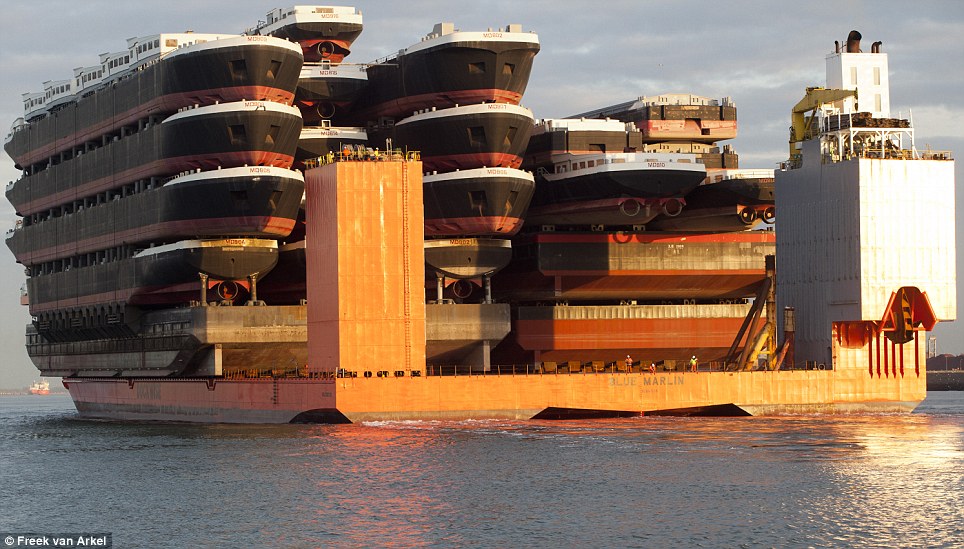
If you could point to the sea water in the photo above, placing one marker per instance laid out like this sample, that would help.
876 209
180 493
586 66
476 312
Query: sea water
810 481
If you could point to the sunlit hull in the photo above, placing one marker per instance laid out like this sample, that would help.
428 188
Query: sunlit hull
536 395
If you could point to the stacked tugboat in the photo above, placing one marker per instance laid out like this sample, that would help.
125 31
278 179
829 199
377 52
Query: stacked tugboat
594 173
180 269
454 99
153 180
325 95
638 253
729 199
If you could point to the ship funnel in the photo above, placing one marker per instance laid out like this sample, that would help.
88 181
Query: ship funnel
853 42
875 47
836 46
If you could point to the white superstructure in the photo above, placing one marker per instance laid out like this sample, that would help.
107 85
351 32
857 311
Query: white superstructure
279 17
861 216
864 72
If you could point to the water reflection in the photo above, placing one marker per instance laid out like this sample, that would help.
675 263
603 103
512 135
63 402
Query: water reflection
824 481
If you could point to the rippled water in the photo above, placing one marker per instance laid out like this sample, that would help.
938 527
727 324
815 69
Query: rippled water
821 481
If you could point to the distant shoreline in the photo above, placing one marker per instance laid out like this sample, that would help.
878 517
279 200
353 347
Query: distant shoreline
26 392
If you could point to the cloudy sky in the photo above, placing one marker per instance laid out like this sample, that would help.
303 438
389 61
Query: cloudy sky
760 53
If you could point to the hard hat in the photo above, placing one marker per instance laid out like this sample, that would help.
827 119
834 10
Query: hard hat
694 356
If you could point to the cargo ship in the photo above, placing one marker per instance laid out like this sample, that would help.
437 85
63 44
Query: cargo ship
543 322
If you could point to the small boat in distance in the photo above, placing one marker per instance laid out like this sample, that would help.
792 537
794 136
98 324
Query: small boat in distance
41 387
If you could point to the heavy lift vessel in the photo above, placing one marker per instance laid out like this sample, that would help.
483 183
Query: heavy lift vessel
862 293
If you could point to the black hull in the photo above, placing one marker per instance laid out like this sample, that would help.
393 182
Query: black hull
287 283
321 41
304 31
486 202
544 145
727 205
447 75
163 278
460 138
630 213
328 94
253 201
733 192
261 69
644 183
341 89
613 189
227 136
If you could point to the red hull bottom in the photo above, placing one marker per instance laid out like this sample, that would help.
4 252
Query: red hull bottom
461 226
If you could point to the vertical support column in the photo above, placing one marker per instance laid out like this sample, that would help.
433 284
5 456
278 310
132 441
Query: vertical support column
870 353
407 278
487 284
365 267
253 279
480 359
886 362
893 358
878 354
439 287
204 289
902 357
771 311
916 355
789 334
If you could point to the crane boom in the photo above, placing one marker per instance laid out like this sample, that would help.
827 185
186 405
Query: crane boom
814 98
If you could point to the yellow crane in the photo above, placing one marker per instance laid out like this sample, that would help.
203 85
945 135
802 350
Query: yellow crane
800 122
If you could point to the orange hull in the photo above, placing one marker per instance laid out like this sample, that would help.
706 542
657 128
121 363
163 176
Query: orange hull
572 394
518 396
